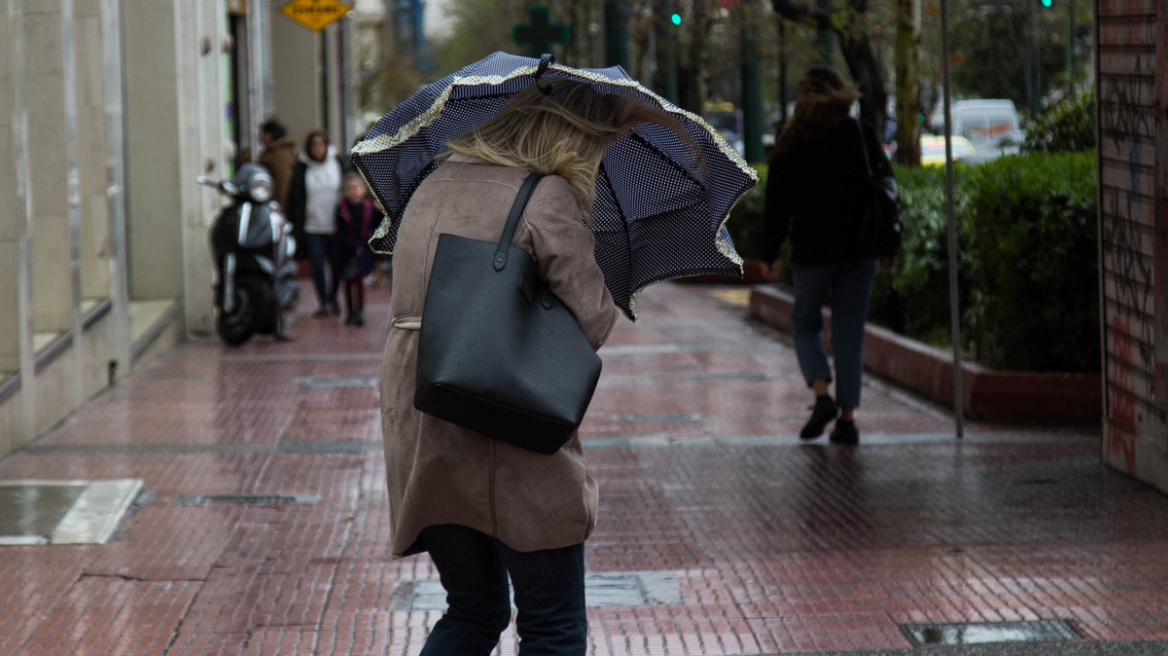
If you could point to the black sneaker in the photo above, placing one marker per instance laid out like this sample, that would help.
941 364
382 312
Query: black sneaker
845 433
825 410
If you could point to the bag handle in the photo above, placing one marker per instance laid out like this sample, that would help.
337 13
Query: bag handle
513 219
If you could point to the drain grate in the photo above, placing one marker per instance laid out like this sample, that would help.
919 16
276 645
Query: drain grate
337 382
976 633
674 416
751 377
600 590
245 499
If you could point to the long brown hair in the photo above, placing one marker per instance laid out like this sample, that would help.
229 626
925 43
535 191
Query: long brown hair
308 144
823 101
562 127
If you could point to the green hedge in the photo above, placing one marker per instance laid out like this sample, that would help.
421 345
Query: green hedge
1027 271
1069 125
1032 248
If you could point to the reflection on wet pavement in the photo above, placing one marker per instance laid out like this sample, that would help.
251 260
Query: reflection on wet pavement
263 527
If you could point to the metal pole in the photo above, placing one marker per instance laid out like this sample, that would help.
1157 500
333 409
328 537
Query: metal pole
751 92
782 73
344 35
954 314
1029 59
1070 47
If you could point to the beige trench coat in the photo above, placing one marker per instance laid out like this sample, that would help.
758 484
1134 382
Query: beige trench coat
439 473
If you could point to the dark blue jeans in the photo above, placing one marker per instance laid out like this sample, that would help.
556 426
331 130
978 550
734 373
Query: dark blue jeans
320 252
473 568
850 285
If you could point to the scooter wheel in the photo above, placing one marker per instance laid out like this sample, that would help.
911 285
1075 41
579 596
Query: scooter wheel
238 326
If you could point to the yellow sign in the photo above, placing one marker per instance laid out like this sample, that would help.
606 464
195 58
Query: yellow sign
315 14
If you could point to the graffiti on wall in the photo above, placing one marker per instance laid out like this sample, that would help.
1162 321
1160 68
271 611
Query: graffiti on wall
1126 123
1121 407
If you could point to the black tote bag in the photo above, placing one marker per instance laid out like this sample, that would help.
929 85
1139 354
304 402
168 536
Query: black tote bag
882 224
498 353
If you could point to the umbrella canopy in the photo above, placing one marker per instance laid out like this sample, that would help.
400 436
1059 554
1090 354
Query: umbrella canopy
658 213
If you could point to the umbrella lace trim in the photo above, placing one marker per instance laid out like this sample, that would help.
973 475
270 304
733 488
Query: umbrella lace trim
385 142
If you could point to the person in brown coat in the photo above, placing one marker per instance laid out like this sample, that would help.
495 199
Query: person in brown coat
278 157
486 509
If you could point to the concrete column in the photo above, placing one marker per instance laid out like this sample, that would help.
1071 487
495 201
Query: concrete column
91 150
16 334
200 30
153 134
11 223
115 182
49 188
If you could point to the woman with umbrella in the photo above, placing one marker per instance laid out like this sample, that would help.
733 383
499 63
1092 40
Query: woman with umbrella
486 509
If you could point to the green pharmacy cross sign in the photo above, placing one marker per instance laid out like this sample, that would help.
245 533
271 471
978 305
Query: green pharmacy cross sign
540 33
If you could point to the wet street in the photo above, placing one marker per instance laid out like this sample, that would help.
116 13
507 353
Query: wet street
243 502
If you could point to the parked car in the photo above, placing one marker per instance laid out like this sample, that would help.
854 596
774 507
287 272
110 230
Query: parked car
991 126
933 150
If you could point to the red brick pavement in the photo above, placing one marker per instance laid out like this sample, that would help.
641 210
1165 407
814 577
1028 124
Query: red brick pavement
775 547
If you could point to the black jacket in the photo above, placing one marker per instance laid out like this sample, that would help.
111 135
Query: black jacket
816 193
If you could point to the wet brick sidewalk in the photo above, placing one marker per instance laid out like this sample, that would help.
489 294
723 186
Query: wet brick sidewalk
719 533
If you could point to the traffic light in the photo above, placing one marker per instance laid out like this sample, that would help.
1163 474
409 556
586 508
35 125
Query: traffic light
676 18
1047 3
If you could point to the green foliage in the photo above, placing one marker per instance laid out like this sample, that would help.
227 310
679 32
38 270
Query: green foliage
746 218
922 269
1027 271
1069 125
1032 249
989 45
747 226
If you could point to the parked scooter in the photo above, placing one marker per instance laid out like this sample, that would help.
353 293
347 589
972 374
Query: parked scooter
252 244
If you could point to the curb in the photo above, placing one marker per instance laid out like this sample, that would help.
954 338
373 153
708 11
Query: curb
987 393
752 274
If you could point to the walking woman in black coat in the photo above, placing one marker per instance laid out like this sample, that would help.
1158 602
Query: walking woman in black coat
816 193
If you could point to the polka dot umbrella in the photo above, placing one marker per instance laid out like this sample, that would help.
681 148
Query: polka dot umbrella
658 213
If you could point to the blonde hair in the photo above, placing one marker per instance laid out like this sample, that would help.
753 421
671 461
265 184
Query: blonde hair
562 127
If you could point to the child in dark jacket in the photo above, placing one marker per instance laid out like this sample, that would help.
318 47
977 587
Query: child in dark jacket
356 216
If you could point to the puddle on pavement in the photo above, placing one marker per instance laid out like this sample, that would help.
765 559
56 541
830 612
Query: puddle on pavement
41 512
989 632
33 511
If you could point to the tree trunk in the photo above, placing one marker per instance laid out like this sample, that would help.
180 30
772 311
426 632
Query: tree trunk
908 82
857 51
692 67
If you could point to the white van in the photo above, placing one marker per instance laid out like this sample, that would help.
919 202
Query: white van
992 126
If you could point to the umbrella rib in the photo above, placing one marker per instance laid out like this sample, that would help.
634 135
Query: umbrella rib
681 169
611 190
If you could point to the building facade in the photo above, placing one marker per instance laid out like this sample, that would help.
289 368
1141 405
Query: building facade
109 110
1132 38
